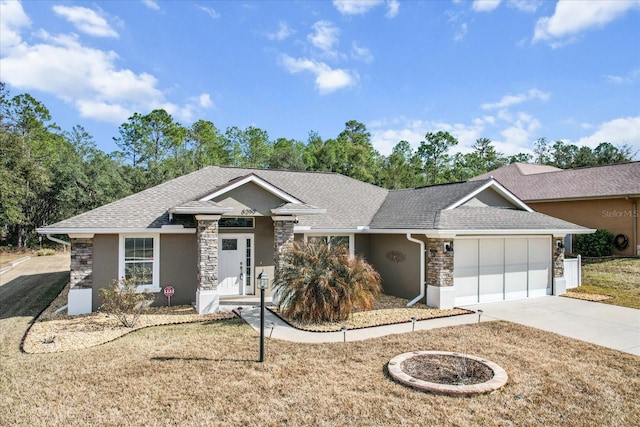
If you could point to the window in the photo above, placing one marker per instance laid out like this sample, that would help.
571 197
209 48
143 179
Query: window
139 261
229 244
333 240
235 222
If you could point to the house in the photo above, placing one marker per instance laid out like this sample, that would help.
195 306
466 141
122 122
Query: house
211 232
600 197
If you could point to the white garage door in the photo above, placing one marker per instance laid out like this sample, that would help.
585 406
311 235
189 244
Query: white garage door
494 269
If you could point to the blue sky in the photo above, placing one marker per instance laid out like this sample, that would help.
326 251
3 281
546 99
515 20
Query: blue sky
512 70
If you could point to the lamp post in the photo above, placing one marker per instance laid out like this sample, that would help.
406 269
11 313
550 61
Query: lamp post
263 283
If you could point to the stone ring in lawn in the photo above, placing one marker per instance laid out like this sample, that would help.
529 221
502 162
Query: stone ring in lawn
448 373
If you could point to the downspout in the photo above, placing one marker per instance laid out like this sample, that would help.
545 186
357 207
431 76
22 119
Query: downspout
634 217
54 239
422 281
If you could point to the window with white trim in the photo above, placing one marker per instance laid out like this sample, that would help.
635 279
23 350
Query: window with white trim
333 240
139 260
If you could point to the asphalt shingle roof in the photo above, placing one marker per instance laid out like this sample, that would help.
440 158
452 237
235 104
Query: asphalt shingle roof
349 204
533 183
417 208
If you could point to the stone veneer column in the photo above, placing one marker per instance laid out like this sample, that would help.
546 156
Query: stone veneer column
559 282
440 291
207 297
282 241
80 296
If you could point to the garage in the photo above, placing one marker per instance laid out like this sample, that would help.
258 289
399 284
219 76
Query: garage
501 268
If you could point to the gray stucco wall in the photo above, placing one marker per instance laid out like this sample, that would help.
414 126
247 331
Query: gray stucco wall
249 196
105 264
398 262
363 246
178 268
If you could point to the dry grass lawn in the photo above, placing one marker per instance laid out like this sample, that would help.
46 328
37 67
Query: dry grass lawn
617 278
207 374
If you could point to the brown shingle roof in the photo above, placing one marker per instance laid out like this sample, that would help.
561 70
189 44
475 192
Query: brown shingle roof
595 182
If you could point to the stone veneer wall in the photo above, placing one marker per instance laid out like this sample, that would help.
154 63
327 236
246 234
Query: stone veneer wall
439 263
208 254
283 237
81 263
558 258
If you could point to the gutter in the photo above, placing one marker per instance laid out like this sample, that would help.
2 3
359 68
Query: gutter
422 281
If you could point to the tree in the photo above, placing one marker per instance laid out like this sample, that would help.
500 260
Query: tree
402 168
288 154
149 141
206 145
27 142
542 152
434 151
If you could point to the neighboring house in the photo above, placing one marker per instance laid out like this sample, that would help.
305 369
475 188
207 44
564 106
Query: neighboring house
211 232
600 197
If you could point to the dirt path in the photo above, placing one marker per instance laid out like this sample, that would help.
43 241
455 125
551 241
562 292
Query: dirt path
21 291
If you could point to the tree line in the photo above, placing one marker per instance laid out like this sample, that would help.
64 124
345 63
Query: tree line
48 173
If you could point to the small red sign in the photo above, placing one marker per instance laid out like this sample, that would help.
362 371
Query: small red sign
169 291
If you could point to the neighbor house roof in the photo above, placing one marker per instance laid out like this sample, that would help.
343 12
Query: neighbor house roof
544 183
323 201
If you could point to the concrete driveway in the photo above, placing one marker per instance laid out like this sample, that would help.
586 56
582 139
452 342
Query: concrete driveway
602 324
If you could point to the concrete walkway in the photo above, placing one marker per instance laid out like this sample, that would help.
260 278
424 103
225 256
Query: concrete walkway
602 324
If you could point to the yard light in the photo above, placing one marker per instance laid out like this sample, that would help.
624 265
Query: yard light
413 319
263 283
273 325
344 333
480 315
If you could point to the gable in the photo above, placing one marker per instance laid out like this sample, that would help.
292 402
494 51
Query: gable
490 198
249 199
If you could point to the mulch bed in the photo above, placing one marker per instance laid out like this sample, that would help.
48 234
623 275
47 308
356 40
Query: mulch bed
587 297
446 369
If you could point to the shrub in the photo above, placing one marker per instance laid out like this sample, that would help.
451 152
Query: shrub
597 244
45 252
124 302
317 282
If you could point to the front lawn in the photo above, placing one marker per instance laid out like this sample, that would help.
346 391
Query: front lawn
619 278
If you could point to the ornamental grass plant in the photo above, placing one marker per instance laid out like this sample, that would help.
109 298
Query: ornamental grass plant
320 282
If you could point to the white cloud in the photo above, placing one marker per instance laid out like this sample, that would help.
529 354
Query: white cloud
573 17
283 32
87 78
628 78
393 7
327 79
12 20
204 100
510 100
210 11
151 4
461 33
623 130
525 5
86 20
356 7
385 134
361 53
485 5
324 37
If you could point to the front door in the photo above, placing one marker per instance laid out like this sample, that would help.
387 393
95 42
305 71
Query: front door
235 264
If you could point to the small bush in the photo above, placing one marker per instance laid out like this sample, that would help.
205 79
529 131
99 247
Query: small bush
45 252
597 244
124 302
317 282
